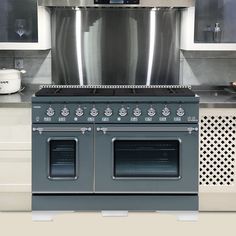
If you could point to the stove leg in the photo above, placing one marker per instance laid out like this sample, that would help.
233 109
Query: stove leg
188 216
114 213
45 216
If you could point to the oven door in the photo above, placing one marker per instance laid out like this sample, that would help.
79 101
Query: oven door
62 159
146 159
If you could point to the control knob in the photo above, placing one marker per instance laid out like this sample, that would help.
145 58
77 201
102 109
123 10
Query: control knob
50 112
123 112
137 112
151 112
108 112
180 112
79 112
94 112
166 111
65 112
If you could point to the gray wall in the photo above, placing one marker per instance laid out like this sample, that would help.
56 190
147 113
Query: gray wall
215 68
36 63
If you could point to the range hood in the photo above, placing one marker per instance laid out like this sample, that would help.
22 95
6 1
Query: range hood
116 3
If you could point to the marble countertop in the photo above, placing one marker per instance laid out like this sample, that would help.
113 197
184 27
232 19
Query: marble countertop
210 96
22 98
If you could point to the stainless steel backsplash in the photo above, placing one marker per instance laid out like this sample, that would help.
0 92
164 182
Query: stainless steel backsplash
115 46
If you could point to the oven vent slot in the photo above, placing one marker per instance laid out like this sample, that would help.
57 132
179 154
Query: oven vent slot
217 150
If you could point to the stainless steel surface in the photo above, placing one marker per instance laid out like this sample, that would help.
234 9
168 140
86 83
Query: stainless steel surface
22 98
143 3
108 46
216 96
210 96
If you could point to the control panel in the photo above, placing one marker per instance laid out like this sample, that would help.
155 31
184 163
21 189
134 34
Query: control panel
115 113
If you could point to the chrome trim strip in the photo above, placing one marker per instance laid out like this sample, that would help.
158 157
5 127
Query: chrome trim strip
62 129
147 129
115 86
90 3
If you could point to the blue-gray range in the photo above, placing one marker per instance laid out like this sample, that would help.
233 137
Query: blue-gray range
131 148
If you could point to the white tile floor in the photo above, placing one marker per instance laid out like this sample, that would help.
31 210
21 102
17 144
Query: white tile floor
138 224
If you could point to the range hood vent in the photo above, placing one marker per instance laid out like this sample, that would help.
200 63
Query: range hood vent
116 3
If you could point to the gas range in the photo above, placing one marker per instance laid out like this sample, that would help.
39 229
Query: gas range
115 148
121 104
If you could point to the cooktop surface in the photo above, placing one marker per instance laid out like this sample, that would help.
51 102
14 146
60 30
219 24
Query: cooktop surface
49 92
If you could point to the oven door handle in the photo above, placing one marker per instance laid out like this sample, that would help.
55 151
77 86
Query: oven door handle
62 129
190 130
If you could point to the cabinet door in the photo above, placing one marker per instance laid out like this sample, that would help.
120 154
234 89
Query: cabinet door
18 21
215 21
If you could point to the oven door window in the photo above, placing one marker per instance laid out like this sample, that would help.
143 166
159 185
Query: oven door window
146 158
62 159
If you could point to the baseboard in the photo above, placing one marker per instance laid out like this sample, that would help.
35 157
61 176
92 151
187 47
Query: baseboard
217 201
15 201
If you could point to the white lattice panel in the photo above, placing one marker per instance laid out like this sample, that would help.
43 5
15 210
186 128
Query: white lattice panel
217 147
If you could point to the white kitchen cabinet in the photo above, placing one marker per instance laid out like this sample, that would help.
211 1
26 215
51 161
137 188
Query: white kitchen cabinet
24 25
188 31
15 159
217 177
215 21
15 171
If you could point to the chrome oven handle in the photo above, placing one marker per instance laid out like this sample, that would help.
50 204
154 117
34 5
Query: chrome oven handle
62 129
190 130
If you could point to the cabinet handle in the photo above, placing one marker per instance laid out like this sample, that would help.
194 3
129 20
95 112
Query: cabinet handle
62 129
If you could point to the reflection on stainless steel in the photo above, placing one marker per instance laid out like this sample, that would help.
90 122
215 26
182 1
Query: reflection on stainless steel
78 30
151 44
111 46
142 3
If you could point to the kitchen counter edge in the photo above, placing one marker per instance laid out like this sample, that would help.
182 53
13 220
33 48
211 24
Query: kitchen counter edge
210 97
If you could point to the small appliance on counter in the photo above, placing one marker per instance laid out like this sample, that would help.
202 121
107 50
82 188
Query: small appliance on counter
10 81
132 148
